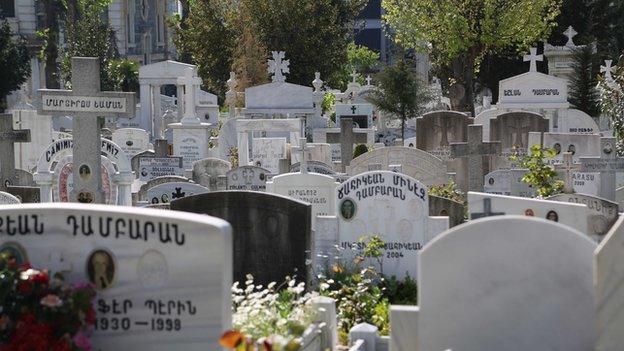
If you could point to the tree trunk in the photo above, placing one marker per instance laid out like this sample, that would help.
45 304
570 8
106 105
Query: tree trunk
51 8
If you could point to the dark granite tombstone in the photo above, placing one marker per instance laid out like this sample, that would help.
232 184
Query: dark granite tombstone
512 129
26 194
272 233
440 206
435 131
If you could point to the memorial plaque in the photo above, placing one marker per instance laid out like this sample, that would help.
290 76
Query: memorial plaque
154 167
250 178
272 235
144 265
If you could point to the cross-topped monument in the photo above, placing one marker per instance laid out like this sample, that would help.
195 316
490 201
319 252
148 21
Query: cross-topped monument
347 137
8 138
607 69
533 57
570 33
607 164
302 149
86 102
567 167
472 153
278 66
190 83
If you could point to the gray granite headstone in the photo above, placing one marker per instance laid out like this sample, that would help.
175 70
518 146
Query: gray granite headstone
435 131
250 178
347 137
512 130
607 164
508 182
26 194
207 172
153 164
272 233
440 206
87 104
474 155
9 136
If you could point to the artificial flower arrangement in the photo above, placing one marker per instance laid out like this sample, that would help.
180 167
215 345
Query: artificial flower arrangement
269 319
39 313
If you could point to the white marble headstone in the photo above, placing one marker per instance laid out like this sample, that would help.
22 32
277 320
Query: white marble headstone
266 153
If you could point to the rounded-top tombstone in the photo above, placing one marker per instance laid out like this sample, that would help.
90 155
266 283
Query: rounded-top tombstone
507 283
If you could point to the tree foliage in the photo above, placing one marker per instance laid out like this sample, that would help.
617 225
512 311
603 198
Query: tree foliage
400 93
89 36
14 62
582 84
124 75
361 60
541 176
458 33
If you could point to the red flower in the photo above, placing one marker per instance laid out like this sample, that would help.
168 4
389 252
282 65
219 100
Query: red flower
90 316
26 266
24 287
41 277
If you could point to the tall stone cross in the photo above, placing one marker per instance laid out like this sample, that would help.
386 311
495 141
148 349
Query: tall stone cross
86 102
8 137
607 164
570 33
190 83
278 66
607 70
567 167
472 153
533 58
347 137
302 149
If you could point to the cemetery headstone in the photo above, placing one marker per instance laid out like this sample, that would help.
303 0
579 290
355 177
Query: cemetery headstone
608 263
250 178
474 154
435 131
602 214
8 199
415 163
266 153
86 103
211 173
26 194
508 182
131 140
512 130
142 193
314 167
9 136
271 233
152 164
607 165
144 265
347 137
440 206
167 192
393 206
501 283
360 114
486 205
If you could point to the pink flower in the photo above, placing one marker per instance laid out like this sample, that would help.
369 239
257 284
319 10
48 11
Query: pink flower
81 285
82 341
51 301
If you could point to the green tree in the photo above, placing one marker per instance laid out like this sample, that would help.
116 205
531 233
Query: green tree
313 33
612 102
124 75
400 92
458 33
541 175
209 36
582 86
14 63
360 59
89 36
53 9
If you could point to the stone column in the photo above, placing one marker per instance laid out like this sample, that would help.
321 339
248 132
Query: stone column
124 188
157 119
230 95
243 149
146 107
180 95
44 181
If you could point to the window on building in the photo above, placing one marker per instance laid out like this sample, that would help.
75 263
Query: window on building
130 13
144 9
160 22
7 8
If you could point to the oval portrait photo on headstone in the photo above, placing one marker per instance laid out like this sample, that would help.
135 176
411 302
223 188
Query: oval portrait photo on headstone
101 269
347 209
14 251
85 172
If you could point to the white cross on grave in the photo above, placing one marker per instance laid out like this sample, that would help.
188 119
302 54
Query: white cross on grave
368 80
8 138
533 57
190 83
570 33
303 149
86 102
354 76
472 153
568 167
607 164
278 66
607 70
